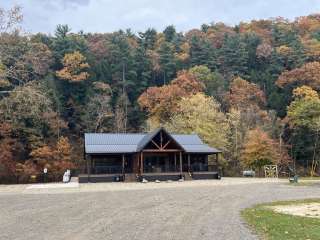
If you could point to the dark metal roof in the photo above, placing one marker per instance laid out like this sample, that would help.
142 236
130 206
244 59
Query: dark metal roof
99 143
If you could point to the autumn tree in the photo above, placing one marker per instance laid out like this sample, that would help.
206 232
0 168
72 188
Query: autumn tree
39 57
259 150
63 158
56 157
304 112
10 19
243 95
9 147
308 74
264 51
43 157
74 66
202 115
161 102
30 112
99 113
250 101
305 109
235 136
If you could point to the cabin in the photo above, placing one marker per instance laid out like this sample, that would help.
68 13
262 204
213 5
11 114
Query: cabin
153 156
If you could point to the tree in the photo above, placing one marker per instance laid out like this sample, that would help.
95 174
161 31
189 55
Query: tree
236 136
64 149
8 149
161 102
233 57
259 150
39 57
170 33
167 61
10 19
243 95
121 113
304 112
202 115
62 31
56 158
99 109
213 81
43 157
308 74
202 52
30 112
74 66
264 51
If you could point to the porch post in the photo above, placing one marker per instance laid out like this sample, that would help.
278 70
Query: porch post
189 168
181 163
88 166
175 162
141 165
123 172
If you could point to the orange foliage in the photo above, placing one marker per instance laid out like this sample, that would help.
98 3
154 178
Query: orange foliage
64 149
43 156
308 74
243 95
307 24
217 33
74 66
8 147
261 27
305 92
259 150
55 158
160 101
312 47
98 46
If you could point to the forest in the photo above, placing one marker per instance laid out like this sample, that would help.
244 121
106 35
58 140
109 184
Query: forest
250 90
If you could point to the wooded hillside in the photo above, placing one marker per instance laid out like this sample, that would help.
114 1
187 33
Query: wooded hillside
251 90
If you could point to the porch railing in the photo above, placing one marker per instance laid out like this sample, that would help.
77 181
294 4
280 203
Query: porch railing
107 170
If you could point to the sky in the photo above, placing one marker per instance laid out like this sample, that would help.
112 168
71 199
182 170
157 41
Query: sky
112 15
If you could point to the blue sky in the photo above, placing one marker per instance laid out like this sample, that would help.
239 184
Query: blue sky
111 15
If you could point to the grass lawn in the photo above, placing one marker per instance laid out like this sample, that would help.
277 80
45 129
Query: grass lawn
310 178
276 226
304 183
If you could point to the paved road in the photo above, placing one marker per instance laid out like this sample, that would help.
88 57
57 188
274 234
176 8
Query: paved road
190 211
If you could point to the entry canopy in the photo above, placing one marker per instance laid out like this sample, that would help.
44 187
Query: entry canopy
109 143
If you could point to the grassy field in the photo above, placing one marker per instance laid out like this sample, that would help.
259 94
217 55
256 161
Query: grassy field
310 178
275 226
305 183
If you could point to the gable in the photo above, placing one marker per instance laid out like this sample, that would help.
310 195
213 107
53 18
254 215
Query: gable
159 140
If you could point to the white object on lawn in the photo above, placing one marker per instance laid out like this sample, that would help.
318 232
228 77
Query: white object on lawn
66 176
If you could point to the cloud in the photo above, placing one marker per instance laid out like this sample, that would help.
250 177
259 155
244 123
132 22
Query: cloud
110 15
64 4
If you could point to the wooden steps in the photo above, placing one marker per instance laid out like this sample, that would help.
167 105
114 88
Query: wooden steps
130 177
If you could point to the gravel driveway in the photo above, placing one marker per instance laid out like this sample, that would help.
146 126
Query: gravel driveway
189 210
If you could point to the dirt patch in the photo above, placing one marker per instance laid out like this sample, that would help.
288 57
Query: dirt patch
301 209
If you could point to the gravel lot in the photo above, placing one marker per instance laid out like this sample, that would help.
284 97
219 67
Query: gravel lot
187 210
